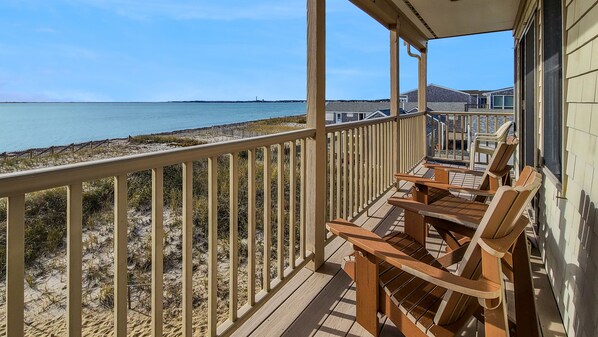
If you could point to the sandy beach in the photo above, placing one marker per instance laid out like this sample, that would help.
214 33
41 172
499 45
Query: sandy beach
45 283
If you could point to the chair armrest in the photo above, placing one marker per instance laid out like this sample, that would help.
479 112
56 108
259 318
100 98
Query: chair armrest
500 174
413 179
486 136
425 181
375 245
453 169
473 191
435 212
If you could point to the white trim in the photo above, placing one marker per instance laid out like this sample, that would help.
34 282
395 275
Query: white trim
498 90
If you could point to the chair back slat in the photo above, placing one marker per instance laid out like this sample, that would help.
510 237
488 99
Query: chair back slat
504 215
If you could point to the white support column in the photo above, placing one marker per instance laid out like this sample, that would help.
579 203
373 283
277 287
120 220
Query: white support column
395 100
316 118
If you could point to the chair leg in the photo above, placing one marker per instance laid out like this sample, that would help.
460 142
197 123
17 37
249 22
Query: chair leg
525 304
496 323
366 284
416 227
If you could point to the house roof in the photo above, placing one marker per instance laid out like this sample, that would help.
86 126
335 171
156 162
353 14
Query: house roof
437 86
498 90
357 106
436 106
475 92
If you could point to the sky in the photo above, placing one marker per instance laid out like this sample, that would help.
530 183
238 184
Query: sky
167 50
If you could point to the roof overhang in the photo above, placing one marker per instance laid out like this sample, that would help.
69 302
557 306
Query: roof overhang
423 20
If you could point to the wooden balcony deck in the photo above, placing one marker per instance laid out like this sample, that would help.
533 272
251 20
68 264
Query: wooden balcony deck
323 303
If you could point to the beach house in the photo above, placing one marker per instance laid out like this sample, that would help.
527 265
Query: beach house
346 171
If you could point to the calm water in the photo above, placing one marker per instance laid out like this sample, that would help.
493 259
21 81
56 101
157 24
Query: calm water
31 125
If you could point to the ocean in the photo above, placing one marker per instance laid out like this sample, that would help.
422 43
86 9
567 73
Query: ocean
36 125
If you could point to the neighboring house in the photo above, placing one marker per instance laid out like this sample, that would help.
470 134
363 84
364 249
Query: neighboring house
439 98
437 93
350 111
500 99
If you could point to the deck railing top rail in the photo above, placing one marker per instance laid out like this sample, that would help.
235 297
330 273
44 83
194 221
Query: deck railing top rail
472 113
46 178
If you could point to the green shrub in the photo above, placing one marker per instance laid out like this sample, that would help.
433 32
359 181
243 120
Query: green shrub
171 140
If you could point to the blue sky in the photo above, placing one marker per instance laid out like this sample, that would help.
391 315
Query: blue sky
161 50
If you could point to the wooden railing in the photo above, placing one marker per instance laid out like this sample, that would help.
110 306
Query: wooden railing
281 259
449 134
412 141
362 157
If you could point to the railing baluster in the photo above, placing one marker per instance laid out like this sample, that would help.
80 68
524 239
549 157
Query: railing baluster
371 158
187 249
462 137
267 222
120 255
280 217
446 137
387 155
378 160
251 191
74 258
292 199
361 176
303 168
330 176
345 174
15 266
233 235
212 245
338 173
157 249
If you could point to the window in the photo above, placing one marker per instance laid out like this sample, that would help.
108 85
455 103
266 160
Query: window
502 102
553 93
498 102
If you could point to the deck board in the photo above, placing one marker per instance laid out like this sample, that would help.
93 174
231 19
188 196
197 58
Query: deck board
323 303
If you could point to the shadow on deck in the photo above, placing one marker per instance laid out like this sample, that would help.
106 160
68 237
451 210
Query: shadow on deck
323 303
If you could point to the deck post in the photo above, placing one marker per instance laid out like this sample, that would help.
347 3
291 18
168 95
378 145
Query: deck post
422 99
316 119
395 92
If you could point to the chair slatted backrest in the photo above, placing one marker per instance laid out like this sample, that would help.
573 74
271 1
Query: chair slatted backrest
504 214
503 131
498 163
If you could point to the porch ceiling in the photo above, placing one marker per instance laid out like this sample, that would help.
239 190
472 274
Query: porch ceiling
446 18
432 19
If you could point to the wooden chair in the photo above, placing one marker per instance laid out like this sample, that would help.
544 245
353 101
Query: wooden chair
476 145
397 276
497 173
457 220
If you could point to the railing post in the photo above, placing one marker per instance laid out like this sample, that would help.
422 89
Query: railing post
316 118
395 92
423 84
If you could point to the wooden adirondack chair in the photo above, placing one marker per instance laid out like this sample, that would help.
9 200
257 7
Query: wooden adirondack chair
397 276
476 145
456 220
497 173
